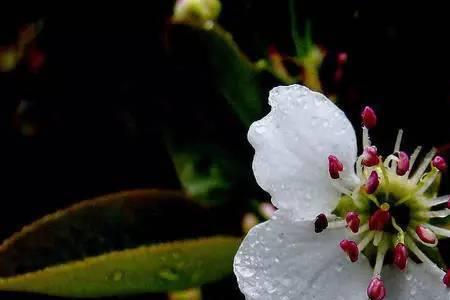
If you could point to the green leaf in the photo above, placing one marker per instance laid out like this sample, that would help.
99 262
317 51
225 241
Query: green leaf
236 78
170 266
210 174
144 232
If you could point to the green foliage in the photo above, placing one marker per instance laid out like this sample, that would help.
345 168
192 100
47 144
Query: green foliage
158 268
119 244
235 77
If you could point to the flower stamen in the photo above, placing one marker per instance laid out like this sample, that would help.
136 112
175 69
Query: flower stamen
403 163
366 240
369 118
372 183
425 236
350 248
376 289
412 159
353 221
439 163
423 166
334 166
320 223
380 218
400 256
370 157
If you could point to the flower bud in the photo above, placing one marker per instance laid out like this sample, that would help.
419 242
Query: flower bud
403 163
400 256
352 219
350 248
376 289
439 163
372 183
446 279
196 11
369 118
370 157
321 223
379 219
334 166
426 235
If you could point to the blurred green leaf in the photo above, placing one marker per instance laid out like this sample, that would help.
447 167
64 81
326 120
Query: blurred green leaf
158 268
123 243
236 78
208 173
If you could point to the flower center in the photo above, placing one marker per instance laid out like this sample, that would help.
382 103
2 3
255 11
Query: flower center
387 207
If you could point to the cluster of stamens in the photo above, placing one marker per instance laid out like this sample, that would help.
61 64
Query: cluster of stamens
387 207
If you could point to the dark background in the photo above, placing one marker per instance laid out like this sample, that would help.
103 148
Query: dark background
109 86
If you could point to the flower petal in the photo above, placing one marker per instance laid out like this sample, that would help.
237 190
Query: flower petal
285 260
417 282
292 144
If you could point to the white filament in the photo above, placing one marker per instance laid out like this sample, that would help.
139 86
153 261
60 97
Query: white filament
365 241
398 142
423 166
366 137
412 160
426 261
438 230
437 201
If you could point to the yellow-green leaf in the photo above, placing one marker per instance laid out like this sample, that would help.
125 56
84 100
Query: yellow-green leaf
142 241
158 268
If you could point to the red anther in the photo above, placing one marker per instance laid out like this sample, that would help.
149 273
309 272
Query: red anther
372 183
403 163
400 256
376 289
370 157
439 163
334 166
446 279
352 219
351 248
369 118
321 223
426 235
379 219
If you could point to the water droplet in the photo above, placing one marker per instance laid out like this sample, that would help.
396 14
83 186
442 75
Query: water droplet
244 271
260 129
339 268
413 291
168 274
408 276
116 276
269 287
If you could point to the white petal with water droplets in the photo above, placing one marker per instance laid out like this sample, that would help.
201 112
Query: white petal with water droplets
417 282
292 144
281 259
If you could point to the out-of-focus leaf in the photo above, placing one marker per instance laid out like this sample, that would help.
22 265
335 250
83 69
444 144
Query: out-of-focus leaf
158 268
191 294
9 58
118 244
207 172
235 76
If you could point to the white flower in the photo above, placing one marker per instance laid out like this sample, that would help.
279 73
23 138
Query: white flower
334 206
